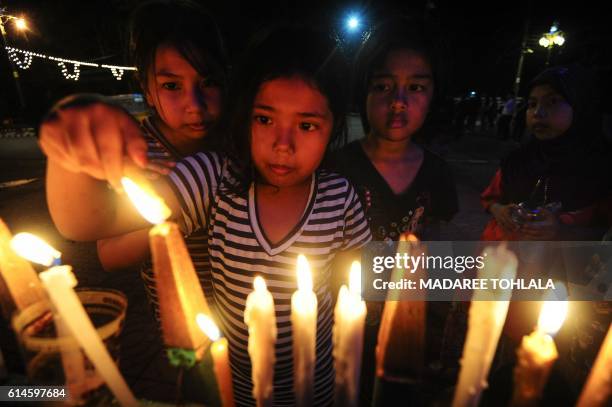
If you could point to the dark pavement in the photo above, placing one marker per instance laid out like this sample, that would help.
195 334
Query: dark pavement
473 159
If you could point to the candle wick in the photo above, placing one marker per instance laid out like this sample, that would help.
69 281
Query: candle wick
57 261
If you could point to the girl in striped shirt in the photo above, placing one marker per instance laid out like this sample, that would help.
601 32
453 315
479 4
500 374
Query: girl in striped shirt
262 202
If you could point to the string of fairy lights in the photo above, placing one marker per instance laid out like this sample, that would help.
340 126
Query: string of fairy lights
71 69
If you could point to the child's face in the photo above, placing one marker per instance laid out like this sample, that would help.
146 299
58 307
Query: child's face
548 113
187 103
399 95
291 124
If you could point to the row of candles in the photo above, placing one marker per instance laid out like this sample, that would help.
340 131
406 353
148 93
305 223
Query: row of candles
187 324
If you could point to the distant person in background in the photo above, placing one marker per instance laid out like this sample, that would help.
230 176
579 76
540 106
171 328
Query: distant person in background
488 113
505 118
561 177
556 187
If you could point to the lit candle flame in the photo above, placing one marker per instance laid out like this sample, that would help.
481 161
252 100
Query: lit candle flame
355 279
304 276
553 313
259 284
34 249
208 326
150 206
409 237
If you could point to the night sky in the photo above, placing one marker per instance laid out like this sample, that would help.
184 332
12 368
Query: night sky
484 39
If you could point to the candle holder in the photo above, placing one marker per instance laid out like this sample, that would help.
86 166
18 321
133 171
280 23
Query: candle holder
46 354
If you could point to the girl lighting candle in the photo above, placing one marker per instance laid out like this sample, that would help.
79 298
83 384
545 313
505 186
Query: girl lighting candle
349 318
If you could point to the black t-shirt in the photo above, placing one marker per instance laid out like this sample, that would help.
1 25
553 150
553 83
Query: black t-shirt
431 197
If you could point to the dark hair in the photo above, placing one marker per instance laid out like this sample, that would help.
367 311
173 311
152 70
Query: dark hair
394 34
184 25
284 51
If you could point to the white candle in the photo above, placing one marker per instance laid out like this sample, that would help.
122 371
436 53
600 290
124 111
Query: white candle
537 354
349 319
36 250
598 388
304 332
59 282
260 318
485 322
220 355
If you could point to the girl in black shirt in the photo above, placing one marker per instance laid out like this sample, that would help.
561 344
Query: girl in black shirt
404 187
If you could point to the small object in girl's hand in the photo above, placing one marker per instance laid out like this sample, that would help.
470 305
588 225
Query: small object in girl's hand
523 213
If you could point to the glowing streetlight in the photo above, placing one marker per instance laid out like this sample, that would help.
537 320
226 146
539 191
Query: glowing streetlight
550 39
352 23
21 24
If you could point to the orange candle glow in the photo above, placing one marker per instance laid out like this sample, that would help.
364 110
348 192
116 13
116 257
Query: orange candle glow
220 354
537 354
179 291
20 286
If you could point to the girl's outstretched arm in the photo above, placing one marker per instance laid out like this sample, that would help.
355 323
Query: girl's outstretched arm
88 144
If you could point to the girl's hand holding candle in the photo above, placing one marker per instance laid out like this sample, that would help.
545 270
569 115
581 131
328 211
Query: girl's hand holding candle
220 354
260 318
304 332
349 318
537 353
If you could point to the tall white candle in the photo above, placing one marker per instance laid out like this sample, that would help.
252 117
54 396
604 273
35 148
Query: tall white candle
349 318
260 318
59 282
78 381
597 391
485 322
304 332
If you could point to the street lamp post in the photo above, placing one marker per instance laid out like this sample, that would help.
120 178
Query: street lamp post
550 39
20 24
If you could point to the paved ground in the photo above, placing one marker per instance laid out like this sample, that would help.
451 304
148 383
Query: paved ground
473 159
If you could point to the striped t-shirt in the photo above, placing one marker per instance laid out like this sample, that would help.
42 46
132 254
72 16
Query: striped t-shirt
160 149
333 221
